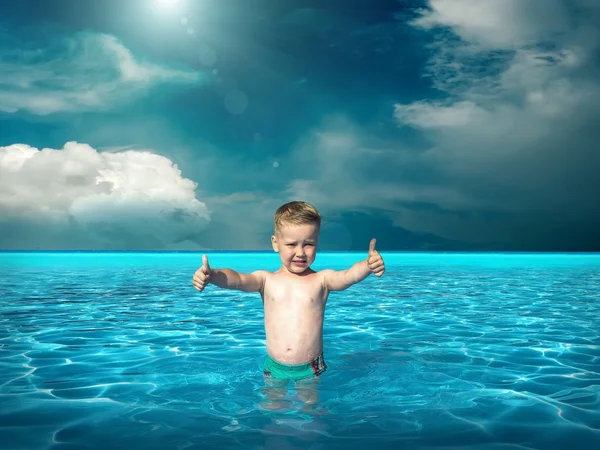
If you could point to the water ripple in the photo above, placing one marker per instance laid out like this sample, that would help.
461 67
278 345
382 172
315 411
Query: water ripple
440 353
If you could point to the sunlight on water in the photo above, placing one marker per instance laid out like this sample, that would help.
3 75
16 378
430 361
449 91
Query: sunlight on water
111 350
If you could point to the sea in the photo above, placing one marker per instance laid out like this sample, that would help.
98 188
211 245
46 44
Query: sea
117 350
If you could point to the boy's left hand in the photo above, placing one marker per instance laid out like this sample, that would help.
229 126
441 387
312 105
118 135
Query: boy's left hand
374 260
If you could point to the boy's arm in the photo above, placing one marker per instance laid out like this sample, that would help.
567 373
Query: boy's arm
230 279
343 279
340 280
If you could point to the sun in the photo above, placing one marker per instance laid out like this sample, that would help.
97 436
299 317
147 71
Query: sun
166 4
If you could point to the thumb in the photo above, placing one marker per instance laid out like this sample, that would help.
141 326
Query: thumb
205 265
372 245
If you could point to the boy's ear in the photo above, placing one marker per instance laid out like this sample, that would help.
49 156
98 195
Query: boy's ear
274 244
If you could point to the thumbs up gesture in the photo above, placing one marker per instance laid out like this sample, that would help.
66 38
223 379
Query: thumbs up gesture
202 276
374 260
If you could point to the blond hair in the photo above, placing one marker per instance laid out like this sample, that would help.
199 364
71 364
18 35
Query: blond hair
296 213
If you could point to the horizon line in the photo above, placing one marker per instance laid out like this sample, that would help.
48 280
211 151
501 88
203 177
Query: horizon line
321 251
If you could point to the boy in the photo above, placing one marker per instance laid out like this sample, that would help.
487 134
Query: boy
294 299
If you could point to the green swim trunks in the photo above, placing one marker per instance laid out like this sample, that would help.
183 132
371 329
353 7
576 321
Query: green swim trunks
277 370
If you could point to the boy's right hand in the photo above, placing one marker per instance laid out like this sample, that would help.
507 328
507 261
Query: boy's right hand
202 276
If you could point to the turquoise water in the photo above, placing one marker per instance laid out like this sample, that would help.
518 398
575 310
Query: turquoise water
445 351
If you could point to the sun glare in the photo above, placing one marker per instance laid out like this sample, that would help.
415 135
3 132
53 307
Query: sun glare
166 4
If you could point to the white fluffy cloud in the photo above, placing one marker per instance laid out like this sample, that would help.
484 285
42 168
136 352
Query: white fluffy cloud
84 73
531 57
497 23
129 199
428 115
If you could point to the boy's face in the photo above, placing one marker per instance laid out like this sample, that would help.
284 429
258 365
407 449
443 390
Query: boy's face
297 246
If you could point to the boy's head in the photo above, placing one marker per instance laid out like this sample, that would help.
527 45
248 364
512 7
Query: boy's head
297 225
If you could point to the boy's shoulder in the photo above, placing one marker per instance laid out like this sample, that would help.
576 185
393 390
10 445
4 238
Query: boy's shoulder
261 273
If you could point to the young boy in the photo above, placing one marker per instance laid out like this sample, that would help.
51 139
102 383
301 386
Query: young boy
294 299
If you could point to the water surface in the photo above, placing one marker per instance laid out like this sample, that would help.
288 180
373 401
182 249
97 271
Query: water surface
114 350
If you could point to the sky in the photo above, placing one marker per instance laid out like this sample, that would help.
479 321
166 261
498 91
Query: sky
430 125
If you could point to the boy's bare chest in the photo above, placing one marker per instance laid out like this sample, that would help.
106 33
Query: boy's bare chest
307 289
